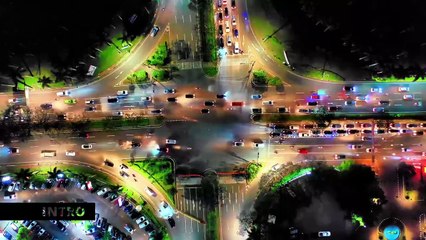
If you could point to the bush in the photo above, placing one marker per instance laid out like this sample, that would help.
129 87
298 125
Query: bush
252 171
160 57
260 77
137 77
210 71
160 74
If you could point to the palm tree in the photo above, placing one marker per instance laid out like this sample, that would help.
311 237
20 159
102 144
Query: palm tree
15 73
117 189
45 81
24 174
54 173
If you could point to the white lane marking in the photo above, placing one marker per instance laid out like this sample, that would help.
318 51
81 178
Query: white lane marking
192 37
177 36
175 19
190 19
183 19
184 37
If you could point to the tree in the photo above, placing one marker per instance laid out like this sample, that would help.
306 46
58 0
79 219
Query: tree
45 81
23 175
54 173
323 116
407 171
117 189
210 190
23 234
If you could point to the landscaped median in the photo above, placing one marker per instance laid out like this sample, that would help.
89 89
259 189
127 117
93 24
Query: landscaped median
394 79
138 77
261 78
320 74
160 171
252 170
115 123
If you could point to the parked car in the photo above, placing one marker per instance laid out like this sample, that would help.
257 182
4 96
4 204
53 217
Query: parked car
129 228
172 222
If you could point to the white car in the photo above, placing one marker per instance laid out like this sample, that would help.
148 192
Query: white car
124 167
408 97
170 141
63 93
15 100
239 143
269 102
403 89
405 150
41 232
86 146
141 219
369 150
118 114
324 234
258 145
32 225
102 191
276 166
150 192
376 90
353 146
11 187
122 93
11 196
90 101
149 99
304 135
144 224
360 98
70 153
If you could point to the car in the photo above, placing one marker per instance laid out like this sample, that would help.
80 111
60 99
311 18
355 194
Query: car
312 103
339 156
336 125
219 3
104 224
103 191
13 150
405 150
154 31
221 42
283 110
150 192
99 222
16 100
86 146
129 228
61 226
90 101
122 93
229 41
46 106
269 102
70 153
258 145
169 90
234 20
304 135
148 99
366 125
32 225
360 98
171 141
334 108
349 103
380 131
354 146
11 186
143 224
172 222
403 89
205 110
275 134
256 96
393 131
41 232
376 90
96 217
256 110
418 133
112 99
303 110
412 125
118 114
220 17
408 97
70 101
378 110
227 27
220 30
7 235
9 196
348 89
233 5
308 126
236 33
220 96
239 143
91 109
172 99
209 103
276 166
395 125
349 125
140 220
90 231
124 167
63 93
108 163
157 111
226 13
384 103
189 95
369 150
324 234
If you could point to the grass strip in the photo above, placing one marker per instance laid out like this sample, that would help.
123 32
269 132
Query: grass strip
212 225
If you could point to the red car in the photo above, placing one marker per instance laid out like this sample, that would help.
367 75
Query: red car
303 151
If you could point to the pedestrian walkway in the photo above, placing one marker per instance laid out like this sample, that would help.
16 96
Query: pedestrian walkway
188 65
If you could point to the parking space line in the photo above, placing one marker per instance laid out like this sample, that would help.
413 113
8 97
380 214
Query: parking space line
190 19
175 19
184 37
183 19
